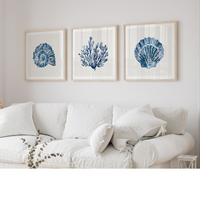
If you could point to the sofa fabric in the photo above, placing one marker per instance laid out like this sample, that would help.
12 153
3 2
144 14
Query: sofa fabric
50 118
6 165
12 148
161 150
73 126
83 119
109 158
17 120
101 137
176 118
66 147
134 125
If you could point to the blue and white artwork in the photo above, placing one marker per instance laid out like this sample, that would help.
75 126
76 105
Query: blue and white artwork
148 52
94 55
44 55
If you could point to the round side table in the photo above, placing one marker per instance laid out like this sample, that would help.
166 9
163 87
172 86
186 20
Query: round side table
187 161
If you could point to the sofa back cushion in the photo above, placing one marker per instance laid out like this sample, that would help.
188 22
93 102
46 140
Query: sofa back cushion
176 118
17 120
83 119
50 118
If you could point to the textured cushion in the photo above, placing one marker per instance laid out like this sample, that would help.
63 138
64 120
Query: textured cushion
136 124
83 119
66 147
160 150
176 118
50 118
12 148
101 137
109 158
17 120
118 111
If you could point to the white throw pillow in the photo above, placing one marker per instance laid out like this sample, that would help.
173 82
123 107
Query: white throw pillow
17 120
176 117
134 125
83 119
101 137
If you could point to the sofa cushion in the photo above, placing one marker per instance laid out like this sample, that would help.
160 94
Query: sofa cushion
160 150
12 148
118 111
100 138
109 158
17 120
66 147
176 118
83 119
136 124
50 118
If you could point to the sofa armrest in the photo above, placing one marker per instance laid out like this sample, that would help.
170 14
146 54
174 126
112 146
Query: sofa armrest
161 149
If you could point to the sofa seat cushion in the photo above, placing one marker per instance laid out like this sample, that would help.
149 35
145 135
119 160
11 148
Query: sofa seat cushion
12 148
66 147
109 158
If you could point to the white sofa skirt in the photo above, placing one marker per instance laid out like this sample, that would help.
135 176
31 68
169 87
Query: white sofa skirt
170 164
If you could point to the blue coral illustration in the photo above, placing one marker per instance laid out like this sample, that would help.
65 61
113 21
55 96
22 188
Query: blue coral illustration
149 52
44 55
94 55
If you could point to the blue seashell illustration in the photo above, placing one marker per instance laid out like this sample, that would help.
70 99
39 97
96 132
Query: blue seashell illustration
44 55
148 52
94 56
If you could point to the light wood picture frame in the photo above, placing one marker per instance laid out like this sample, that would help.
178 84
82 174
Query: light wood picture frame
94 53
150 51
45 55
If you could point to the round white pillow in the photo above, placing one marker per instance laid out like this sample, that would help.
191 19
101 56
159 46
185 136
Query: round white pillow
101 137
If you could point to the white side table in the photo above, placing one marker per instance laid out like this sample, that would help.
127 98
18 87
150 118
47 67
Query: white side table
191 159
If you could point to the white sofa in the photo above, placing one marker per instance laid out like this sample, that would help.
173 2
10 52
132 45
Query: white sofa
71 124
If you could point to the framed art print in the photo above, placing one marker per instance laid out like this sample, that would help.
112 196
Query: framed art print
150 52
45 55
94 54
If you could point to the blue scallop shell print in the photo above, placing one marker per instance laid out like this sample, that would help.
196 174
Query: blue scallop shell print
148 52
94 55
44 55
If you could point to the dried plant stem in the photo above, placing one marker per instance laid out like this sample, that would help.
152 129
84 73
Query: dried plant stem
34 160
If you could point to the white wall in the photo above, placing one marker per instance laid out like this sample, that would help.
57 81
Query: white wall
2 50
22 15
